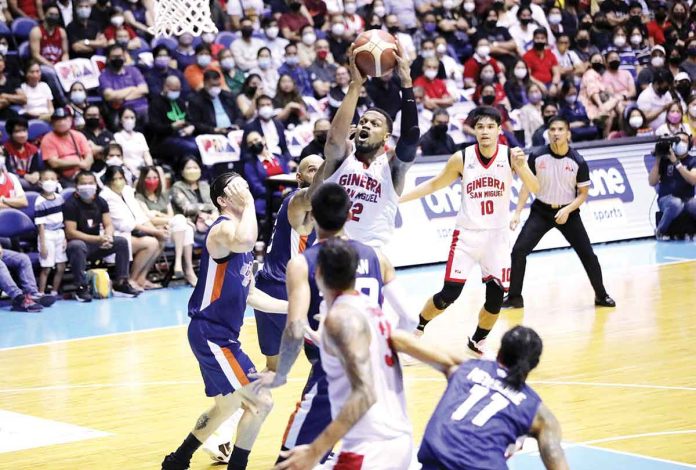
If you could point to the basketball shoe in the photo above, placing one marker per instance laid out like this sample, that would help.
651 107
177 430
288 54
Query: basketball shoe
219 445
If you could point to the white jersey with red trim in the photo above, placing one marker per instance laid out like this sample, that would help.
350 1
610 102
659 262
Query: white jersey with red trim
485 190
387 418
371 190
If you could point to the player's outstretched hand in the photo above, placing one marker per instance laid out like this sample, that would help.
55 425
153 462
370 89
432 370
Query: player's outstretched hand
238 192
518 157
355 73
403 66
266 379
299 458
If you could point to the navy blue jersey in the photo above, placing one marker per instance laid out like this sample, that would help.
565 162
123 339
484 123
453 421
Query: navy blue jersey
223 286
368 277
285 243
477 418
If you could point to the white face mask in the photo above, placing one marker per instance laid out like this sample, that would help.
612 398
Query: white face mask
657 61
272 32
441 49
620 41
83 12
430 74
227 63
338 29
636 122
555 18
636 39
692 111
208 37
2 162
427 53
379 11
349 8
203 60
309 39
114 161
448 4
173 95
483 51
520 73
3 49
128 124
215 91
78 97
469 7
264 63
49 186
266 112
117 21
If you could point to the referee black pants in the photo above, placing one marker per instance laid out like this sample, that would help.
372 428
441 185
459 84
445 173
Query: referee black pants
541 220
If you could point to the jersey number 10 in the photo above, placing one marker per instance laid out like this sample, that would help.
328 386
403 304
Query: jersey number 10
476 394
486 207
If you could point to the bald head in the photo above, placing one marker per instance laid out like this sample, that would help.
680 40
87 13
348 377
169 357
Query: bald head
172 83
307 169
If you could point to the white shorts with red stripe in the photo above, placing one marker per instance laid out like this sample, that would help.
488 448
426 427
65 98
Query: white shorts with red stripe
490 249
394 454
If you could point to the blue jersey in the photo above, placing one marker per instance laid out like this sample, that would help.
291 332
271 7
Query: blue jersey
223 286
368 277
478 417
285 243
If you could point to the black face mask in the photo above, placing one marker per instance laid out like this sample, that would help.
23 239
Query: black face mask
660 16
490 24
679 16
691 51
251 91
295 6
598 67
675 60
661 91
548 118
582 43
525 21
91 123
116 64
488 99
614 64
256 148
635 20
247 32
439 129
684 89
320 137
539 46
393 30
53 21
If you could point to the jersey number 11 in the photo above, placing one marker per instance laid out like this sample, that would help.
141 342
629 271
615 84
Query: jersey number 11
476 394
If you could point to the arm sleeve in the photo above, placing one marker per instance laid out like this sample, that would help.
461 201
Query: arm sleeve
583 177
410 133
532 162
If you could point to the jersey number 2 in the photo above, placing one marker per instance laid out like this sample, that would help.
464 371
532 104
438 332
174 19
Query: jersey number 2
476 394
486 207
356 210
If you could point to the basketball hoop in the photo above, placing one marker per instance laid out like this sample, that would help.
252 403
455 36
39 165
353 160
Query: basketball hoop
176 17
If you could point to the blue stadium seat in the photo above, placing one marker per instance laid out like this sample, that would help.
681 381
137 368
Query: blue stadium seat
3 132
4 30
169 43
38 129
24 50
225 38
67 193
21 27
31 198
14 223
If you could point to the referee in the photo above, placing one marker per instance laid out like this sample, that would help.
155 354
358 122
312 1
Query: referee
564 181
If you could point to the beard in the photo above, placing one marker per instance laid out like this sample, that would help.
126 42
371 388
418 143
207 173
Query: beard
303 184
366 147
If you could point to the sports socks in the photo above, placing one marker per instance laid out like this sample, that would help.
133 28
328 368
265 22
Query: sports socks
480 334
187 448
421 323
238 459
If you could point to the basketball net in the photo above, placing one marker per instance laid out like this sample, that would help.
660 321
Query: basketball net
176 17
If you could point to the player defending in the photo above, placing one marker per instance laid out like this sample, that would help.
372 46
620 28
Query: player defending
364 376
216 309
292 233
487 407
481 234
373 180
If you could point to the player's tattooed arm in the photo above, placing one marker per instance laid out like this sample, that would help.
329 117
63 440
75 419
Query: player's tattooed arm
547 431
348 337
452 170
437 357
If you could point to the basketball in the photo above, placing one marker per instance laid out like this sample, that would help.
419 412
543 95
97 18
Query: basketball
375 52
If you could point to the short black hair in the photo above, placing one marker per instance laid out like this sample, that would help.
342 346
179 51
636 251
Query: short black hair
112 48
217 187
83 174
159 48
541 31
211 74
331 206
111 172
338 262
440 112
203 47
387 117
662 75
262 97
519 352
15 122
558 119
482 112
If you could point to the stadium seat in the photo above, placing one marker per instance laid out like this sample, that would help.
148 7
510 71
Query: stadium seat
3 132
15 223
225 38
67 193
38 129
21 27
24 50
169 43
31 199
4 29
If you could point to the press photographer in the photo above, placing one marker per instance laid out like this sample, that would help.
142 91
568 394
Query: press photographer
675 172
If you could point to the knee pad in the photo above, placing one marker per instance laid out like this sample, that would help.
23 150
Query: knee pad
494 296
449 293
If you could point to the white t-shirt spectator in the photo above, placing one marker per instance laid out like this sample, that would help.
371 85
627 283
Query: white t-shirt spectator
125 212
234 7
569 59
277 47
37 98
649 102
134 148
538 16
245 53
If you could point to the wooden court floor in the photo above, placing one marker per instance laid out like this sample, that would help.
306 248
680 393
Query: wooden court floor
623 379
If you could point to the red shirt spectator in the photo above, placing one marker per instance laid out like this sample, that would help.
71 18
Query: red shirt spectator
22 160
472 67
110 31
541 64
433 88
656 32
292 22
500 94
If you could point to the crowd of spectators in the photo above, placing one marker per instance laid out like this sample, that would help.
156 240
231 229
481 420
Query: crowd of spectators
616 68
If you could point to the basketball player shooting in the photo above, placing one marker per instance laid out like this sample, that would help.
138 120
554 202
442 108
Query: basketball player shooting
373 180
481 234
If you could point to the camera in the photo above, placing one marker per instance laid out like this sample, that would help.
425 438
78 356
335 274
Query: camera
664 144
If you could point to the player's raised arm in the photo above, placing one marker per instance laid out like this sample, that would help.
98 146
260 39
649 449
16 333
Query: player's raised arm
436 357
453 169
407 146
230 236
336 147
546 430
519 163
349 334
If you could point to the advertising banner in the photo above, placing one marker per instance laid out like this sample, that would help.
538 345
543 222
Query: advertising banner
621 205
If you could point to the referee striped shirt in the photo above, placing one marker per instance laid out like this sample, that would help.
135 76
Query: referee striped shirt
559 175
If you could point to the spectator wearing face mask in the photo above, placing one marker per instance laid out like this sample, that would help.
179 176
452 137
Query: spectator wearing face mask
657 61
541 135
584 49
305 47
293 21
213 110
502 46
233 76
640 46
339 39
427 31
273 41
116 22
291 110
245 49
599 103
627 58
391 23
453 69
481 57
436 94
114 157
678 29
191 197
48 44
516 85
123 85
656 99
270 128
184 54
523 31
488 77
656 26
48 218
65 150
39 98
292 67
84 35
316 145
427 52
323 69
98 136
77 102
136 152
618 82
264 69
542 63
354 23
674 123
530 114
689 65
634 125
437 141
573 111
237 10
261 164
569 64
204 61
161 69
90 236
22 158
